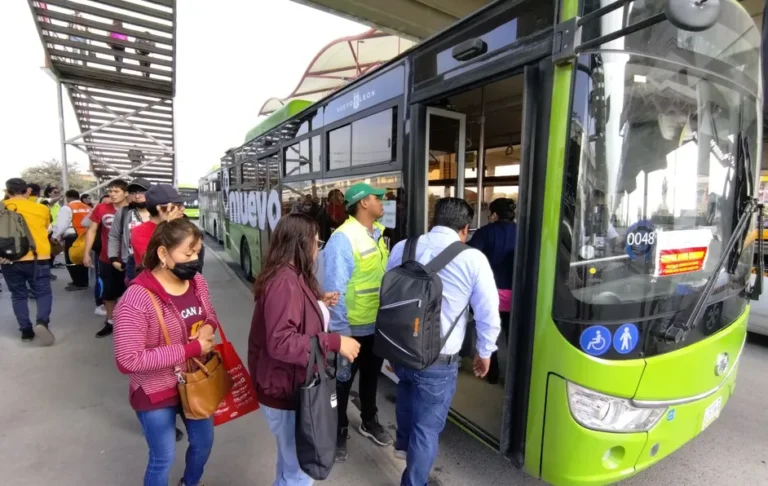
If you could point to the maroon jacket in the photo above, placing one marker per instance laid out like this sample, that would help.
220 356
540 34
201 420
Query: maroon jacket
284 320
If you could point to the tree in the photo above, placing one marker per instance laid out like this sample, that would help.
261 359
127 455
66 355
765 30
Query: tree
49 173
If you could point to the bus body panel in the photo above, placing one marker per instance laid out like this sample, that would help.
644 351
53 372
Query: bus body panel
253 237
575 455
690 371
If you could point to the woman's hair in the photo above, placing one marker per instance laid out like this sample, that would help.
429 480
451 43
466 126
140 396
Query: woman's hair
292 243
504 208
169 234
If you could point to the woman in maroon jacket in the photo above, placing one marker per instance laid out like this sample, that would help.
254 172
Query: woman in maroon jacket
289 311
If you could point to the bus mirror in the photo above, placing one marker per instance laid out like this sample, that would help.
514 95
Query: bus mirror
692 15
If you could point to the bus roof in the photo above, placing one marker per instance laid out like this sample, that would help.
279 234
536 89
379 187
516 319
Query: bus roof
277 117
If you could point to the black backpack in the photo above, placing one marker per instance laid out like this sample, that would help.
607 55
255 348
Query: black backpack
15 238
411 296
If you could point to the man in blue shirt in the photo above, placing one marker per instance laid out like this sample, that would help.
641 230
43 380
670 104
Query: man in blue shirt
353 264
424 397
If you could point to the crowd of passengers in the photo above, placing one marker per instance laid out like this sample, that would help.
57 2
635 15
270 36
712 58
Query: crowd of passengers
149 262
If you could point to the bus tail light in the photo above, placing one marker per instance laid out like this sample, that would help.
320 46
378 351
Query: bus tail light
598 411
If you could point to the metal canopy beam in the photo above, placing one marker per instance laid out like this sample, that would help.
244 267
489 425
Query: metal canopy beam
116 59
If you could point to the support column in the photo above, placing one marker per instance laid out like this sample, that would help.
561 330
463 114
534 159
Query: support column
62 134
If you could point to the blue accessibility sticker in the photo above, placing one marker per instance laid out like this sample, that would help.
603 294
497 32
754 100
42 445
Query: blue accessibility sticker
595 340
670 415
640 239
626 338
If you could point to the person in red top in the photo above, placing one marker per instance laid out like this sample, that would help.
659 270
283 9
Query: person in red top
164 204
113 280
171 279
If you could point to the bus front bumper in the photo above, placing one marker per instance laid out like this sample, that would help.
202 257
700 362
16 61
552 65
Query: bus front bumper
575 455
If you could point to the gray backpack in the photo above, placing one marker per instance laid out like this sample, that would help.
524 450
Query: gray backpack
15 237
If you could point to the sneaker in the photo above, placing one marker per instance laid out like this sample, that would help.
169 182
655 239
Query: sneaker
100 310
105 331
402 455
27 335
45 334
374 431
54 277
341 444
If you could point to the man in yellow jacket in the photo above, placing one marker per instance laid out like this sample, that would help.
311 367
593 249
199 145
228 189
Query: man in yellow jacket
33 270
354 262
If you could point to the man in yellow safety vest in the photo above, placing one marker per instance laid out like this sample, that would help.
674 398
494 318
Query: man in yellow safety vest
354 262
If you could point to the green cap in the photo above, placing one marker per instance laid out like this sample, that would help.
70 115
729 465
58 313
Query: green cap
360 191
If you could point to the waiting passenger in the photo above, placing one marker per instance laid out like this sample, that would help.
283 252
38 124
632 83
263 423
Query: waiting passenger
497 240
163 204
172 279
32 269
467 280
354 264
126 220
69 228
290 310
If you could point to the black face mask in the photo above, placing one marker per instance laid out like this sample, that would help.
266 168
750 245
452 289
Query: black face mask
140 205
187 270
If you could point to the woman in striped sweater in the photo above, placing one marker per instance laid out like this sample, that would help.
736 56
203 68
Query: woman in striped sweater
171 278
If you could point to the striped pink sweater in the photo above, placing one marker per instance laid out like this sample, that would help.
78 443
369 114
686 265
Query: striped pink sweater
140 349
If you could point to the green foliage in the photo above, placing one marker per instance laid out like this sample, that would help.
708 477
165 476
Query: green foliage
49 173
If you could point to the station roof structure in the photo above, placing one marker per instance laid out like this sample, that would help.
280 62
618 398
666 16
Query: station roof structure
116 59
339 62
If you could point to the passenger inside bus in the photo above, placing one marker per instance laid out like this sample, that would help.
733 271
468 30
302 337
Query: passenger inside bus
497 240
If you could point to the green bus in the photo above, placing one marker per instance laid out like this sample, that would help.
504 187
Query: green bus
629 133
189 193
212 204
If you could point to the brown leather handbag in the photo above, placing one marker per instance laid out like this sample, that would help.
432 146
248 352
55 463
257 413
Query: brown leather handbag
203 389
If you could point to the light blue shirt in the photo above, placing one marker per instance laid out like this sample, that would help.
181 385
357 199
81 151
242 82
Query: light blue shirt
337 264
468 279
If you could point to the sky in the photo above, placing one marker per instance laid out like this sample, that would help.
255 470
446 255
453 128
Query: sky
232 55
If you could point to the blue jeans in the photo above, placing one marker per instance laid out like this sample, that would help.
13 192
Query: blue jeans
160 431
282 424
423 400
38 276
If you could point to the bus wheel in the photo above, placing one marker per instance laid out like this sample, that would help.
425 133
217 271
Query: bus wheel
245 260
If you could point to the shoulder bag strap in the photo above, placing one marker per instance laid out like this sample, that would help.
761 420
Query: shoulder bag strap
315 359
166 336
446 256
453 326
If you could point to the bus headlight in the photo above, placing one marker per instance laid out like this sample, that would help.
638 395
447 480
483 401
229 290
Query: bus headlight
597 411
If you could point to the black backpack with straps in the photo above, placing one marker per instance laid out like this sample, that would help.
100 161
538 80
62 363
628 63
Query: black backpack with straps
408 322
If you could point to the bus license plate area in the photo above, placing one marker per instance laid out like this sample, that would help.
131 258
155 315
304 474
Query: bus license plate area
711 413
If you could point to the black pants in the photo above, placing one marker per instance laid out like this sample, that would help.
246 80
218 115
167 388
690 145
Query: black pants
370 366
78 273
494 370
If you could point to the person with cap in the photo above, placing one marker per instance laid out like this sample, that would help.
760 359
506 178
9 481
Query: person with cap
163 203
68 228
354 262
126 220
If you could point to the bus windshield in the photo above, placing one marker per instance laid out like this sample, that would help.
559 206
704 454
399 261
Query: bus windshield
655 180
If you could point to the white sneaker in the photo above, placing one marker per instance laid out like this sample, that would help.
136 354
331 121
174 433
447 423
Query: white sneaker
100 310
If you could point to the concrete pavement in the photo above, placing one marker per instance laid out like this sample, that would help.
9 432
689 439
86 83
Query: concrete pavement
66 419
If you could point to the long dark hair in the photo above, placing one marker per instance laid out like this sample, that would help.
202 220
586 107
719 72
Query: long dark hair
169 234
292 244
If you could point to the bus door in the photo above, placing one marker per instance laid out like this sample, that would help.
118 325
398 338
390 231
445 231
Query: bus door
445 157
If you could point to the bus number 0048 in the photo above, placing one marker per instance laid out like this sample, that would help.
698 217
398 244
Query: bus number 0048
641 238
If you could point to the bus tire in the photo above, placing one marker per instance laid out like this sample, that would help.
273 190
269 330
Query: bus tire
245 259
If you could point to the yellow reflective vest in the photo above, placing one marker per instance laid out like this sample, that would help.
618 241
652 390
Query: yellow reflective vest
362 294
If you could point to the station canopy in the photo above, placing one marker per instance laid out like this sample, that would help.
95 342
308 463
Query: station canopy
340 62
116 60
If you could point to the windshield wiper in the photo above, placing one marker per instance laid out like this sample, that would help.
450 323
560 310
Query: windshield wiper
676 332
